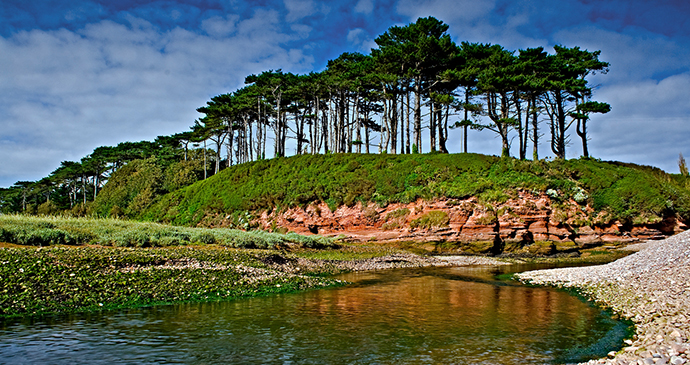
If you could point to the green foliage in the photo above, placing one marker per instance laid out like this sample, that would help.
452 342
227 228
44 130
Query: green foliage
395 219
183 173
132 188
398 213
622 190
44 231
47 208
433 219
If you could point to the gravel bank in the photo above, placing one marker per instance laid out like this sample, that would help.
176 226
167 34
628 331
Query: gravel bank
404 260
650 287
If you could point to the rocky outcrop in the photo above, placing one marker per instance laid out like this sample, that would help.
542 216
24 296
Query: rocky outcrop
524 223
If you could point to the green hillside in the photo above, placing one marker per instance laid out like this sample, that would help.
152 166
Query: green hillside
627 192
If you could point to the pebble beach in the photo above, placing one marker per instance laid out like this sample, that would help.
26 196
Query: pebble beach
651 288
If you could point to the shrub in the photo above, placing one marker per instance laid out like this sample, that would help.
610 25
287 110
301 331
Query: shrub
47 208
397 214
202 237
132 239
432 219
183 173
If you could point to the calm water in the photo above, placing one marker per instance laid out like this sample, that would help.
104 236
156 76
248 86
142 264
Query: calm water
422 316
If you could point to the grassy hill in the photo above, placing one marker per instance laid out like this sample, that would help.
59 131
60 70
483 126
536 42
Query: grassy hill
626 192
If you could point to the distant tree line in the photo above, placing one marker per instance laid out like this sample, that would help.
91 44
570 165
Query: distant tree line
401 95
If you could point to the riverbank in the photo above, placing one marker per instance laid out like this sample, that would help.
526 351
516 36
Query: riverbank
650 287
64 279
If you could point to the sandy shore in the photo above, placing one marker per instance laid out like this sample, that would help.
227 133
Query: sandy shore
650 287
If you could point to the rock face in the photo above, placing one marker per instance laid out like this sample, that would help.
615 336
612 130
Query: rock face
524 223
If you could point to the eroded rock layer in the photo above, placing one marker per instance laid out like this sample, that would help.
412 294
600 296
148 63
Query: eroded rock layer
524 223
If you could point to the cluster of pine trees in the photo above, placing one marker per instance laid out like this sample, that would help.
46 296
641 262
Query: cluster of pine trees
412 83
390 101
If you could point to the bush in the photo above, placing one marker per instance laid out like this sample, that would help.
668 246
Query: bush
131 189
205 238
47 208
433 219
132 239
397 214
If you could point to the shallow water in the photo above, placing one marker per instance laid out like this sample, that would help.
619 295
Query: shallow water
410 316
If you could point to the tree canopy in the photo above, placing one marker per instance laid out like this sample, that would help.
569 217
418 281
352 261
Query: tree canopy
401 98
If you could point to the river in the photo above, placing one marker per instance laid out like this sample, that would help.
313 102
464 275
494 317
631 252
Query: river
462 315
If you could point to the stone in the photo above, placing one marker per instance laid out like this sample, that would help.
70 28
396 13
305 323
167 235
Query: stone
675 360
521 221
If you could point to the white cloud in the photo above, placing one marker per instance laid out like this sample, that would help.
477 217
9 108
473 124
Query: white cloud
220 26
364 6
66 92
301 30
634 54
298 9
446 10
648 123
361 39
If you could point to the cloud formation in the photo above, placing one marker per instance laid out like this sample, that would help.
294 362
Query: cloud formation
78 75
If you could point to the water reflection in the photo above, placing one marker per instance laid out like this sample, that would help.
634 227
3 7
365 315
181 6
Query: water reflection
452 315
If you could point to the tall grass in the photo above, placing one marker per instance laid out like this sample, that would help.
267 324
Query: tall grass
44 231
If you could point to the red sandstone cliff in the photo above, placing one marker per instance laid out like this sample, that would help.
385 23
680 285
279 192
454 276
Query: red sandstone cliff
526 222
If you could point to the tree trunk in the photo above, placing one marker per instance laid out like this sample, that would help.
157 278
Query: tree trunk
432 126
518 108
583 135
559 149
443 129
418 113
407 123
394 124
466 127
535 131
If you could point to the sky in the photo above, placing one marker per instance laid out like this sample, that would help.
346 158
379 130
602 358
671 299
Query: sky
79 74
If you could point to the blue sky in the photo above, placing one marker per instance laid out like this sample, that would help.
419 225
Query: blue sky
75 75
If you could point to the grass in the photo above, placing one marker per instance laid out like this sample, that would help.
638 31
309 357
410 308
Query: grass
622 191
433 219
45 231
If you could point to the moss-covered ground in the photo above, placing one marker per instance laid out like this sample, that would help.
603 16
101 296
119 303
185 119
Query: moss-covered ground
80 279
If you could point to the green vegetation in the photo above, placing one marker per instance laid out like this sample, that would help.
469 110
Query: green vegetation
43 231
614 190
433 219
414 87
79 279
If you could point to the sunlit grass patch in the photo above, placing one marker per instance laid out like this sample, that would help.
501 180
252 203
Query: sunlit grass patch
45 231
